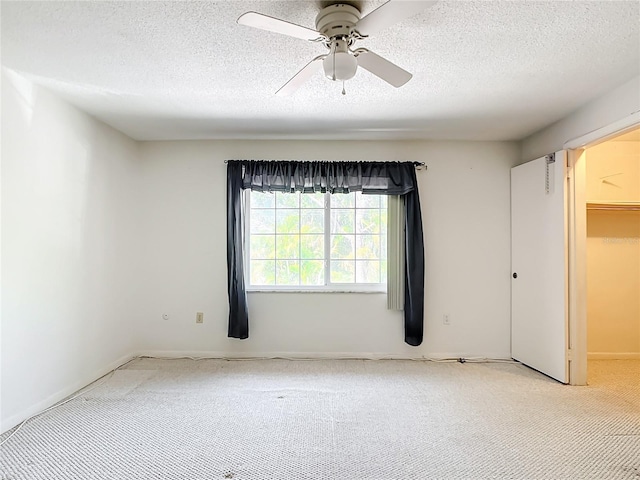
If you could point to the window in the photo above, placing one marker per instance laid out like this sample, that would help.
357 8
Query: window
316 241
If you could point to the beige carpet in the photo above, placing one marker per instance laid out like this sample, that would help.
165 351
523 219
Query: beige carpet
620 377
348 419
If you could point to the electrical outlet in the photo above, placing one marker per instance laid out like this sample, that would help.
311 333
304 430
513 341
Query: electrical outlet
446 320
199 317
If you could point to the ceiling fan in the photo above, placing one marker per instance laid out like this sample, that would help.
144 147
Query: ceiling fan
338 28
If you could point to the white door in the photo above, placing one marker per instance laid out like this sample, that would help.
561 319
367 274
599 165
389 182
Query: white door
539 263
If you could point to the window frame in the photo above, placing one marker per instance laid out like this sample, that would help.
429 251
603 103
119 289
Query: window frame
328 287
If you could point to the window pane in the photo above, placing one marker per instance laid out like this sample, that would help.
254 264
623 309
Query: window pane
312 246
288 239
312 221
263 221
342 272
343 200
312 200
287 221
287 246
367 271
312 272
263 246
262 200
263 272
287 272
287 200
342 246
367 201
343 221
368 221
368 247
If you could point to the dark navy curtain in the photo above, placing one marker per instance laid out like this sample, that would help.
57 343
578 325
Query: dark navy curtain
381 178
238 309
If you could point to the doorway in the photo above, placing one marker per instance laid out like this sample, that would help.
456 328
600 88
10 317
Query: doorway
609 176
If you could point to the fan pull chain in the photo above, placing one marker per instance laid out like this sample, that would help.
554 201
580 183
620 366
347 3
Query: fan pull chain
344 92
333 54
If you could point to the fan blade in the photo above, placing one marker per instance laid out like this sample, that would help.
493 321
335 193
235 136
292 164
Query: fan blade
389 13
271 24
382 68
301 77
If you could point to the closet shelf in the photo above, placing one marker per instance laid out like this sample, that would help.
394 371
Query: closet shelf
626 206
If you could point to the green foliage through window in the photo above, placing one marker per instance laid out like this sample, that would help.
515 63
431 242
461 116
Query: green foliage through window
316 240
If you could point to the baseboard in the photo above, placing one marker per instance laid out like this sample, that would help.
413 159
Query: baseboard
263 355
304 355
613 356
14 420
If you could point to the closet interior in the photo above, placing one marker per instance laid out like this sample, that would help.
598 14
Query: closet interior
613 254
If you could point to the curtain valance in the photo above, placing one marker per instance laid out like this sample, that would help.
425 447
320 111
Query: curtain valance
382 178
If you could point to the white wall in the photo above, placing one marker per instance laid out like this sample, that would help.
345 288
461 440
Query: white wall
465 206
68 248
600 112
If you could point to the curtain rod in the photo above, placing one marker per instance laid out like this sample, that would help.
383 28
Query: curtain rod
416 164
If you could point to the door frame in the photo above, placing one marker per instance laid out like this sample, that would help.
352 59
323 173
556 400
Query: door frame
577 246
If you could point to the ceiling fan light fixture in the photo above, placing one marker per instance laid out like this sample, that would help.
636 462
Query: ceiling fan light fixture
340 66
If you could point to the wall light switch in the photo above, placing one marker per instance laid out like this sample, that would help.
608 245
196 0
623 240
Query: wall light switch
199 317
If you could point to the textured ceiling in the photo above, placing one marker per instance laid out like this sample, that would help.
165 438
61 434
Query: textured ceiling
496 70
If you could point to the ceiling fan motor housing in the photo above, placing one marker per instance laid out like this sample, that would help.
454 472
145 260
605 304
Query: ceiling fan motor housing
337 20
